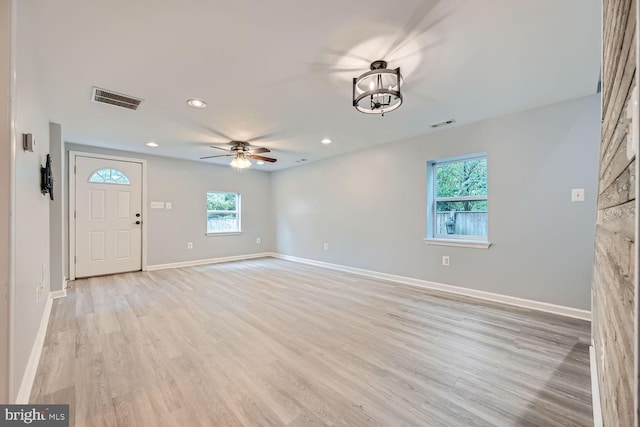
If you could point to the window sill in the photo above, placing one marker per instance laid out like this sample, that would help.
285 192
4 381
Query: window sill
476 244
226 233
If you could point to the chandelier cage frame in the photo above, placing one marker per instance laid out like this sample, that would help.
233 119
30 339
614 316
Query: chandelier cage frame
383 92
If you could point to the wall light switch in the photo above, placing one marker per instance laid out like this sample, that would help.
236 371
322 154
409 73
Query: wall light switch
167 205
157 205
577 195
28 142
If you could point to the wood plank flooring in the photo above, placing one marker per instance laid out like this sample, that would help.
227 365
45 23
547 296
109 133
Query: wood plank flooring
271 342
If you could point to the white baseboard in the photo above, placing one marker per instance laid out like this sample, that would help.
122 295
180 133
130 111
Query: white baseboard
595 389
488 296
208 261
58 294
29 376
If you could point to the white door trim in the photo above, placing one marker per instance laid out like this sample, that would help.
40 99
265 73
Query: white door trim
13 142
72 207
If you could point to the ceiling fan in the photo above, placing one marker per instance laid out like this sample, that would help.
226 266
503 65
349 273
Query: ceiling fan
242 151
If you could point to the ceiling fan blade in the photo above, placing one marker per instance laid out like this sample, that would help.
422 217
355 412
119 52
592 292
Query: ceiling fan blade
221 155
219 148
265 159
259 150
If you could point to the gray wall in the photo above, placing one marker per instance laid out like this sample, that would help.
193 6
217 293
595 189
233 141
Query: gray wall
31 208
185 184
57 221
370 206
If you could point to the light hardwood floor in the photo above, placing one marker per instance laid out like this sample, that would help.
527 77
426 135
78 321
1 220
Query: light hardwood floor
271 342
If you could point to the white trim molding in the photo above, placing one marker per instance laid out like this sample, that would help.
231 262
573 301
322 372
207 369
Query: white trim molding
29 376
58 294
13 114
595 389
483 295
476 244
196 262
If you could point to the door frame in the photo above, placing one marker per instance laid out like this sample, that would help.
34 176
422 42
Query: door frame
8 142
72 204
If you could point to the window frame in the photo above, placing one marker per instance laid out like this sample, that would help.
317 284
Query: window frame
110 181
433 237
237 211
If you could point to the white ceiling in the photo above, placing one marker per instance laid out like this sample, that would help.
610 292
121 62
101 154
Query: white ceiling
281 70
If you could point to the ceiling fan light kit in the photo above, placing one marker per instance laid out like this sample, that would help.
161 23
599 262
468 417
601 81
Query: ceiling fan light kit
242 151
240 161
378 91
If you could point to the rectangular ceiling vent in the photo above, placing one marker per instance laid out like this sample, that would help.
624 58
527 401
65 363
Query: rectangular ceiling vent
114 98
445 123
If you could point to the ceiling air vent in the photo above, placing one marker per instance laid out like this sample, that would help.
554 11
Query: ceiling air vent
114 98
445 123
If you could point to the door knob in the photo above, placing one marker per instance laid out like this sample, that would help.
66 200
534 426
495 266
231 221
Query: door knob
137 223
137 215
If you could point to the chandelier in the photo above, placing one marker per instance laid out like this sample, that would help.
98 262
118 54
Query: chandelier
377 91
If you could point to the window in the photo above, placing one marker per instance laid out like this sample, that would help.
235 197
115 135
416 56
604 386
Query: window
109 176
223 213
457 199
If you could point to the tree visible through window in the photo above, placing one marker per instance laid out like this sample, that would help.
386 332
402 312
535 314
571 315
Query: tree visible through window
459 202
223 212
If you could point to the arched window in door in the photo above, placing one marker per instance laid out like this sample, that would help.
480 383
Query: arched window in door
109 176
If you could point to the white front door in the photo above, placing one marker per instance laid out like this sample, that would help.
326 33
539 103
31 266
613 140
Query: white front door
108 216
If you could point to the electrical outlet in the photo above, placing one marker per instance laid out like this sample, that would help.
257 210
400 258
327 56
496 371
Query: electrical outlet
258 241
168 205
189 245
445 260
326 246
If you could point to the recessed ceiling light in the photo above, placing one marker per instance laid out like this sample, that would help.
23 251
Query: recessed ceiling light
196 103
326 141
259 162
152 144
